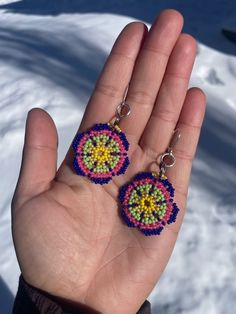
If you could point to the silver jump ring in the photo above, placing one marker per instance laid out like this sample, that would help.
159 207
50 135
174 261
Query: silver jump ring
171 162
123 110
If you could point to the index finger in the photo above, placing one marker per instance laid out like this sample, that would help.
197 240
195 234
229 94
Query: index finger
115 76
114 79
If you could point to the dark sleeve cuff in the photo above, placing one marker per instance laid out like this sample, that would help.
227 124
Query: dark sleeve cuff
145 308
30 300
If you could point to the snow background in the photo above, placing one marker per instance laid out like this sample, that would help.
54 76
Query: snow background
51 53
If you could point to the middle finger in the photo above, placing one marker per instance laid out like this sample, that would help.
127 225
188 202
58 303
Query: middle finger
149 71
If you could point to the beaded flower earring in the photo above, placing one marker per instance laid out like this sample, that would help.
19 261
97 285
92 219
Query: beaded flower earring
147 202
102 151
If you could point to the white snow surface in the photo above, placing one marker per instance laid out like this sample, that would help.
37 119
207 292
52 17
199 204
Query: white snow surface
7 1
52 62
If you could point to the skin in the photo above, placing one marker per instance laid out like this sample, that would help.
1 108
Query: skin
68 236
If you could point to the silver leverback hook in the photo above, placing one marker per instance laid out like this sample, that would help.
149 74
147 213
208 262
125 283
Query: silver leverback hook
167 160
123 109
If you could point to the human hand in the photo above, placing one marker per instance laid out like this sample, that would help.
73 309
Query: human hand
69 238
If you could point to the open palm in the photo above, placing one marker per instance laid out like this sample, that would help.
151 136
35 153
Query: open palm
69 237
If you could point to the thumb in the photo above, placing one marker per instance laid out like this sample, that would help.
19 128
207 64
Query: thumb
39 159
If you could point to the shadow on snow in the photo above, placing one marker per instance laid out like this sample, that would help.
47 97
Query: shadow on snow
6 299
203 19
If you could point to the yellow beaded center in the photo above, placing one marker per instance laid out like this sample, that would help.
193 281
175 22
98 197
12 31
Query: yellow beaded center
147 203
101 154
